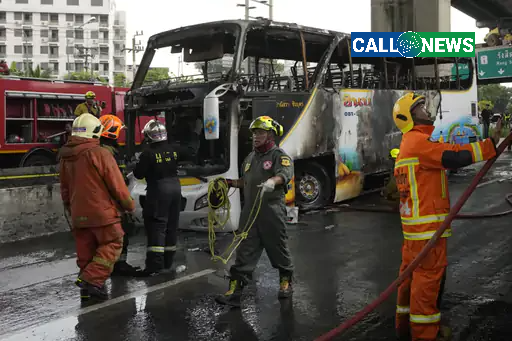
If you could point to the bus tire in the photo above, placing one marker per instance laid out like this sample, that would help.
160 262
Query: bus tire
312 186
38 160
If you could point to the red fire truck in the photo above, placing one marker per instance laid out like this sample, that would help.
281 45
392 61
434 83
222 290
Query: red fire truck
34 111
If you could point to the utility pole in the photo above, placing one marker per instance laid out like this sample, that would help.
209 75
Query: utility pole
269 3
134 49
86 52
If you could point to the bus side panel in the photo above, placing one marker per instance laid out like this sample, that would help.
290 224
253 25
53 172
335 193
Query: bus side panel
308 127
460 118
365 133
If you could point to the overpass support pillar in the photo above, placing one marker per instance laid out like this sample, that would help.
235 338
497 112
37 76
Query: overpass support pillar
411 15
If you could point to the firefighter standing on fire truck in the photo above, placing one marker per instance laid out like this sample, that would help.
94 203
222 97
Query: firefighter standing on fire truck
94 193
267 168
112 126
424 203
90 106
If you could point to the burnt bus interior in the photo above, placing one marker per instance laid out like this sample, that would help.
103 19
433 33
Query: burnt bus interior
280 66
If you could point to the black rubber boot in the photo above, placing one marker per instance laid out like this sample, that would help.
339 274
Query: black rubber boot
233 296
93 291
84 294
169 259
122 268
285 287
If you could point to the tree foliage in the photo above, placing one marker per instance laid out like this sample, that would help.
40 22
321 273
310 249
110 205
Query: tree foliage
120 80
498 95
156 74
85 76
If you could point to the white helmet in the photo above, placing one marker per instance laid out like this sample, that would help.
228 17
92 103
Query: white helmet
155 131
88 126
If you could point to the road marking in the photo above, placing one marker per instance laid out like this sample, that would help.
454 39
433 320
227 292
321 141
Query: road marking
82 311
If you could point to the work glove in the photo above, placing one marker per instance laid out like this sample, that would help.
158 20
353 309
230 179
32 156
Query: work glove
268 186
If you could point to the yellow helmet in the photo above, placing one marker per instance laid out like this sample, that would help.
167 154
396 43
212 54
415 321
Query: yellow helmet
88 126
394 153
90 94
402 111
268 124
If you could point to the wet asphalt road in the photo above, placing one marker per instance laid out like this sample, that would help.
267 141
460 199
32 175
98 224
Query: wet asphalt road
343 260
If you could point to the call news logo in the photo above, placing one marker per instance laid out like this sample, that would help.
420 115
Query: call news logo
413 44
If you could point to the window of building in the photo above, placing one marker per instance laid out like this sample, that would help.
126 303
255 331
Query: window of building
45 17
105 67
96 66
70 17
3 17
28 34
3 33
73 2
28 50
94 34
54 35
44 33
70 66
22 1
98 3
18 32
3 50
56 67
18 49
70 50
69 33
79 34
27 17
46 2
79 67
79 18
19 65
18 15
44 50
54 18
44 66
54 51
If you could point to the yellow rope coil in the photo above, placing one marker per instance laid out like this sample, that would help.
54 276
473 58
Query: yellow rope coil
219 214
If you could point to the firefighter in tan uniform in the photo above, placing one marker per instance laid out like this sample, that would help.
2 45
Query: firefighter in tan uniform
270 169
90 106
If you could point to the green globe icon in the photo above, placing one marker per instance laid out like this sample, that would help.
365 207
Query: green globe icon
410 44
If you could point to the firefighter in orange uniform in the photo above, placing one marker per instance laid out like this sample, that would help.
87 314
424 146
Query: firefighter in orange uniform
94 195
424 204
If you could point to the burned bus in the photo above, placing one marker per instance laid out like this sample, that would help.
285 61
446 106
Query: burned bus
335 109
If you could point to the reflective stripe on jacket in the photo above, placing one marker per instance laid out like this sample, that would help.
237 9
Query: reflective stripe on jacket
422 182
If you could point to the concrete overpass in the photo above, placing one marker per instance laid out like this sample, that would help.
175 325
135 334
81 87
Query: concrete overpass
432 15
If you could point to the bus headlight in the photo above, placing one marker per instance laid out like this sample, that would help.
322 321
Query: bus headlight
202 202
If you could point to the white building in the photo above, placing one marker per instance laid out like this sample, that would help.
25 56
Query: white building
63 36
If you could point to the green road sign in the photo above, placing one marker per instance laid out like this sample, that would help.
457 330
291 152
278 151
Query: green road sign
463 71
494 63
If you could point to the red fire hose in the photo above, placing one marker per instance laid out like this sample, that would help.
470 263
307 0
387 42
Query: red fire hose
408 271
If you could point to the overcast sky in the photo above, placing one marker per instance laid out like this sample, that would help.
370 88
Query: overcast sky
154 16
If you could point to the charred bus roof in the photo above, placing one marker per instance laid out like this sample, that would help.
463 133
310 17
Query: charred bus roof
264 39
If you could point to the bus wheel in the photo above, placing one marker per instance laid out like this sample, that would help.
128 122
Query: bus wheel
38 160
312 186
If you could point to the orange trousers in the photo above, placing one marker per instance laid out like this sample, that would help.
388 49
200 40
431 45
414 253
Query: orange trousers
97 250
417 301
